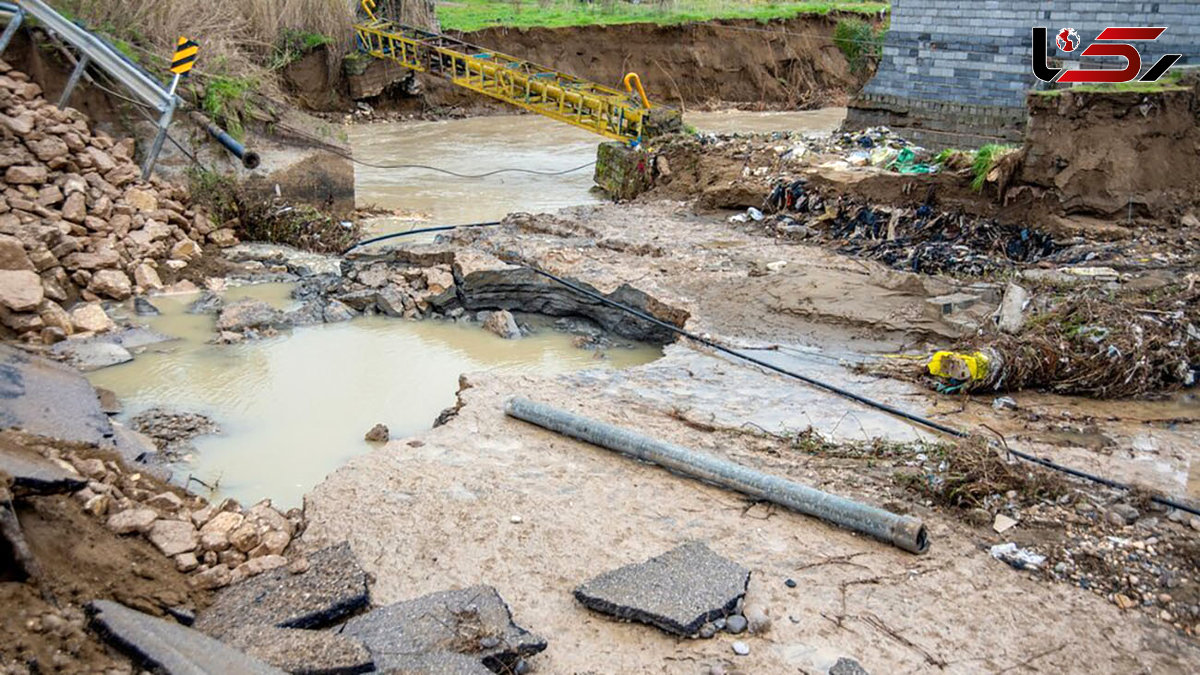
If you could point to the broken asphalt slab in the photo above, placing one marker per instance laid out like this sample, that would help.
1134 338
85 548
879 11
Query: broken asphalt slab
49 399
164 646
333 587
304 652
32 473
439 628
678 591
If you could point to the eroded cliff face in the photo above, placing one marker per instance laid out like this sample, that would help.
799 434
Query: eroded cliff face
1116 154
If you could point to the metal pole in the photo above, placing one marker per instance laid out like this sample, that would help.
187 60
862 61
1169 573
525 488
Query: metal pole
80 67
13 25
902 531
164 123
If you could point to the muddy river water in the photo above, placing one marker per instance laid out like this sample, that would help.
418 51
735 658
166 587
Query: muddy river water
295 407
483 144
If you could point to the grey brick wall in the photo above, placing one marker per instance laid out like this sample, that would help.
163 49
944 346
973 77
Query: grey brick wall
974 53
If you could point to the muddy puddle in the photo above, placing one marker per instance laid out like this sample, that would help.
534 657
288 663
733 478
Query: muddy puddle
295 407
483 144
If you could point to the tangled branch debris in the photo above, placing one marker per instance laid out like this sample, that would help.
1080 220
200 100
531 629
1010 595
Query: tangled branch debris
972 473
1100 346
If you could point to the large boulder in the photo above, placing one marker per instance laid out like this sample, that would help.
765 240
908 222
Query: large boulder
91 318
114 284
20 290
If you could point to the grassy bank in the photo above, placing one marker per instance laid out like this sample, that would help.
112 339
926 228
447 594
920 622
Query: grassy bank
471 15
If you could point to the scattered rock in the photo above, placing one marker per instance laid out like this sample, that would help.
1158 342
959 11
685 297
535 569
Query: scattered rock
130 521
91 318
20 290
741 648
173 537
111 283
677 591
473 622
503 324
736 624
214 577
378 434
1121 514
846 666
757 620
336 311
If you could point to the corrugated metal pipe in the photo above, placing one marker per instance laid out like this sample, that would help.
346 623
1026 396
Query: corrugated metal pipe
902 531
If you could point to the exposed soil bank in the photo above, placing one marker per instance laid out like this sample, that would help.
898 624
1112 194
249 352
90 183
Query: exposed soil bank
780 65
1117 155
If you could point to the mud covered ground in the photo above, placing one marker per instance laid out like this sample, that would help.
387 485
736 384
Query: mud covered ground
484 498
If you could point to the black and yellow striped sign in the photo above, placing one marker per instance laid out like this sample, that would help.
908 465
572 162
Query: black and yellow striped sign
185 56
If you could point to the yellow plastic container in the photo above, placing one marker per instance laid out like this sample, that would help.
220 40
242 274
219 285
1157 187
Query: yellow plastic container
958 366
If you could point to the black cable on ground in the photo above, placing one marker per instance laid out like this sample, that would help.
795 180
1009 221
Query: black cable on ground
423 230
878 405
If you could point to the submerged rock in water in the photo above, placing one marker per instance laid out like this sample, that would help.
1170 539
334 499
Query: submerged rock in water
207 303
378 434
250 315
143 307
503 324
171 431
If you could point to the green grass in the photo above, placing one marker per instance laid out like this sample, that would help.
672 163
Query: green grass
471 15
859 40
224 100
1168 82
985 158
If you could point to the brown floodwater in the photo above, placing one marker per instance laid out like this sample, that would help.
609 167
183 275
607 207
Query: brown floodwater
295 407
481 144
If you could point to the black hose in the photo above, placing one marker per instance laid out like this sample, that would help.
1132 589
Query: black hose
878 405
424 230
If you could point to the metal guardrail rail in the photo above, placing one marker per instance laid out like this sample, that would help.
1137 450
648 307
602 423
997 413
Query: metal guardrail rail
621 116
95 50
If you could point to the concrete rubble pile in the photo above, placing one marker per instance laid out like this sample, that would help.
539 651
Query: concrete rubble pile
78 226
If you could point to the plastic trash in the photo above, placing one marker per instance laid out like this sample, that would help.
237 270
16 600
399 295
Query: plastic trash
959 367
1018 558
754 214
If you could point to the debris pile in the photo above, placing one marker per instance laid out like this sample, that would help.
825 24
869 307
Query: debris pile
1089 343
923 240
77 224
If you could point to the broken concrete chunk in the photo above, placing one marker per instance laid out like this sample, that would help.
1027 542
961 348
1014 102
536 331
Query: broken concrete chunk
474 622
303 651
503 324
677 591
32 473
333 587
169 647
49 399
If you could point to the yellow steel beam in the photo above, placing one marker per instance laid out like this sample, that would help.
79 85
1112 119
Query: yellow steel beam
602 110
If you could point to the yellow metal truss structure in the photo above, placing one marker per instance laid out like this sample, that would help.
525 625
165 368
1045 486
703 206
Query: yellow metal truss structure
621 116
